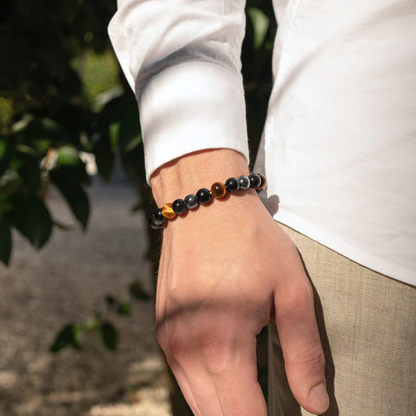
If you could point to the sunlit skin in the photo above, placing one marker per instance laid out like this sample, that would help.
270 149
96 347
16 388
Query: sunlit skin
226 269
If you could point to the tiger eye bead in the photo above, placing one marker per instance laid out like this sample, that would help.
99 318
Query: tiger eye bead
263 181
218 190
168 211
231 184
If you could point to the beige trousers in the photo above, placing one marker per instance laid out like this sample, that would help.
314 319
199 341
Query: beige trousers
367 323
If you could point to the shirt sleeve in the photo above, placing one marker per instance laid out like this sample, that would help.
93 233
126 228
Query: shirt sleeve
182 58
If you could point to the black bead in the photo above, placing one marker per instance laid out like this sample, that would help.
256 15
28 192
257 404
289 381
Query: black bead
154 223
203 196
231 184
190 201
255 180
179 206
159 216
243 182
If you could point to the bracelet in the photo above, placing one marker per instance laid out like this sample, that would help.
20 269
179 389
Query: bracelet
218 189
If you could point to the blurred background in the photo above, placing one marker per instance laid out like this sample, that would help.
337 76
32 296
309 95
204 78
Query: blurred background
78 260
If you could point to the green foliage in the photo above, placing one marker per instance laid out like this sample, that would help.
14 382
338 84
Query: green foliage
60 98
70 335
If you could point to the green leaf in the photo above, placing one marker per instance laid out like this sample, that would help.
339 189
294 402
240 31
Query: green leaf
111 300
6 152
38 128
109 335
30 173
94 323
68 336
104 157
68 180
67 156
124 308
31 218
10 186
260 23
137 291
121 116
5 242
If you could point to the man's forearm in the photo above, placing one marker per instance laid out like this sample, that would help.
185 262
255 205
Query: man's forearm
187 174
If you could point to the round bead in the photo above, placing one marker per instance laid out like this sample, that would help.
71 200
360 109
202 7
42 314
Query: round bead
255 180
203 196
153 222
168 211
263 181
178 206
231 185
243 182
159 216
218 190
190 201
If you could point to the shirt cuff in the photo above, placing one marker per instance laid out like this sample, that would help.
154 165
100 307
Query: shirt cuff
188 107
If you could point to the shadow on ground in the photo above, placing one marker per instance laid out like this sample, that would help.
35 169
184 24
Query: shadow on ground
65 282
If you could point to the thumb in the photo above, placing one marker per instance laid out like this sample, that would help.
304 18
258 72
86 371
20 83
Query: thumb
301 345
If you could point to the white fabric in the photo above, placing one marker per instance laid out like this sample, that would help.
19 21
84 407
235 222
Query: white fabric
339 144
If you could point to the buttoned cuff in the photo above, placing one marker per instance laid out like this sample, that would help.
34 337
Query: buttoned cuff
192 106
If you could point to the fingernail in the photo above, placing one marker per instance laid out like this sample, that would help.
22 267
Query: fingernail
318 398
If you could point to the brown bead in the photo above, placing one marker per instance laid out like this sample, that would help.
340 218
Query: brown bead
218 189
263 181
168 212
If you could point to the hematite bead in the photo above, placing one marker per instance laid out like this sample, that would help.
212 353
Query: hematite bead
203 196
255 180
243 182
159 216
231 184
178 206
190 201
263 181
218 190
168 212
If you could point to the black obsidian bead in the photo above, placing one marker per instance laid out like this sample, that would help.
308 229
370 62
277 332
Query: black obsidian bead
190 201
203 196
179 206
231 184
154 223
159 216
243 182
255 180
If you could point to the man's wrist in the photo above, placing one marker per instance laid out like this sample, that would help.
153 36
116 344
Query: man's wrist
186 174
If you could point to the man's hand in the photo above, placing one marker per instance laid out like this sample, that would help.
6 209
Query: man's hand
225 270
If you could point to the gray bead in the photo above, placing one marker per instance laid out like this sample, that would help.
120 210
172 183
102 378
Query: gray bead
243 182
190 201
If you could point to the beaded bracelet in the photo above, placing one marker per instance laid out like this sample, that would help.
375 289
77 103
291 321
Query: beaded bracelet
204 195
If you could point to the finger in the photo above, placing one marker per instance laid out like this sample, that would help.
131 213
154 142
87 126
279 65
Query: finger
301 344
233 368
183 384
202 388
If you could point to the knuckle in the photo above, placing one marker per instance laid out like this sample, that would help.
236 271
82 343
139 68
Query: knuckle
177 345
312 358
213 348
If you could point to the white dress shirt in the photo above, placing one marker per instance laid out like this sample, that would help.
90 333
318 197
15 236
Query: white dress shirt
338 147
